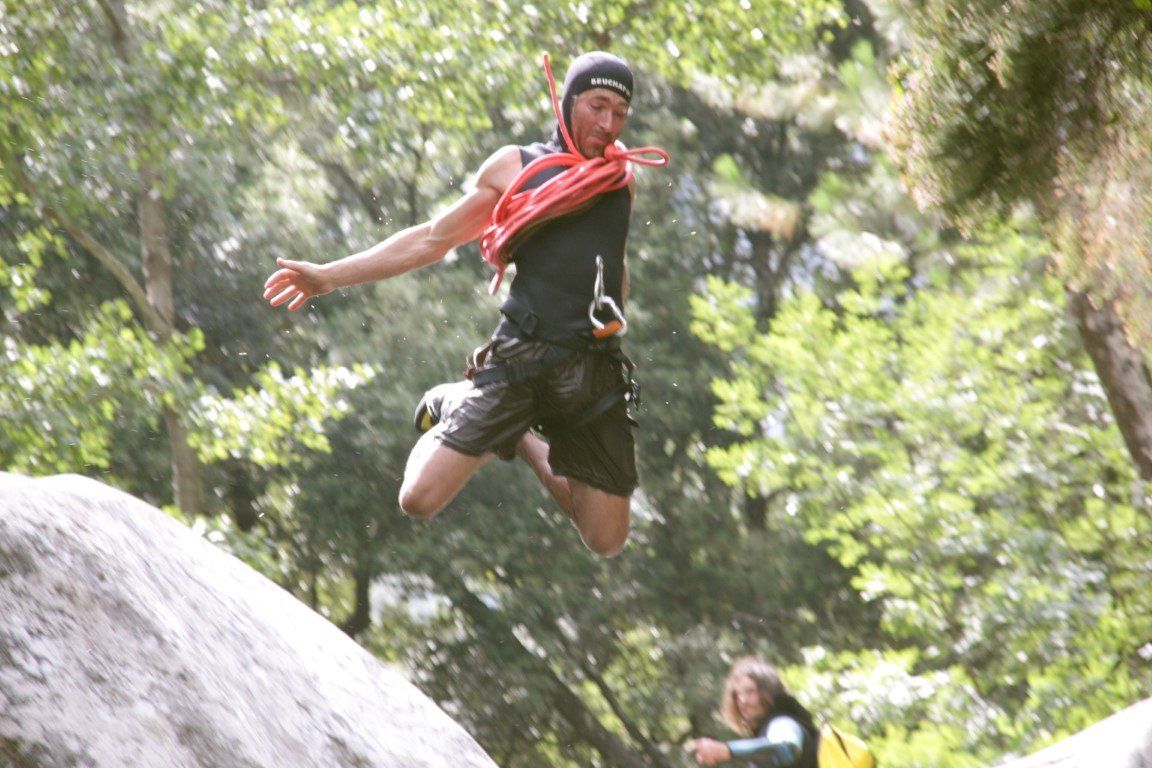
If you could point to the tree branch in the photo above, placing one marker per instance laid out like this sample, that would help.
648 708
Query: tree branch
114 15
568 704
629 725
341 173
121 273
1122 371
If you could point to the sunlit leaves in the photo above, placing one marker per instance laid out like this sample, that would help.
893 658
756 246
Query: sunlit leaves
941 442
863 100
722 314
746 208
18 279
271 421
907 716
61 401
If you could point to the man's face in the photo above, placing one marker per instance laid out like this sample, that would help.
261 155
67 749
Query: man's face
748 701
598 117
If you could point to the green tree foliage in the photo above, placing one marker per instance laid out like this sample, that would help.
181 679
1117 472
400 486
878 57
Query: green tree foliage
308 131
1046 103
108 106
950 445
312 130
62 399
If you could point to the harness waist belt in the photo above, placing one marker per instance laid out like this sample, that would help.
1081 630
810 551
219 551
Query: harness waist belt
576 333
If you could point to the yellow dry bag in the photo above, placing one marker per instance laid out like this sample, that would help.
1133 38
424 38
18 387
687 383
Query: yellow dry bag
837 749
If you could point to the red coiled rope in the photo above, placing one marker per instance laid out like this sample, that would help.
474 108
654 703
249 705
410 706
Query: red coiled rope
519 210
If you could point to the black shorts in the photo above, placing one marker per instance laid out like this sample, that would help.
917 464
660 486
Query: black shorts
493 418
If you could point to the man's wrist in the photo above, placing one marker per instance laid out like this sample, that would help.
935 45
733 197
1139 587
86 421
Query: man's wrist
331 277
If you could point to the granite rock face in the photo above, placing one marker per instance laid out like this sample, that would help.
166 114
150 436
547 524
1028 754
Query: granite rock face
1123 740
127 640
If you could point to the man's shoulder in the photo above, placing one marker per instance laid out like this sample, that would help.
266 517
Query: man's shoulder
507 155
500 168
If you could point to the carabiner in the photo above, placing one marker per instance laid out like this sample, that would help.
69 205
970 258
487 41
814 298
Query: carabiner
618 326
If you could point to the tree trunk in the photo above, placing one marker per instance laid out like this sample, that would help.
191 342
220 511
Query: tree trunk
155 253
187 485
361 616
1123 372
240 495
156 258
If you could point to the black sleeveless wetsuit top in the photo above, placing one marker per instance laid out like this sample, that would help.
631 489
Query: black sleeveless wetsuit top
556 263
787 705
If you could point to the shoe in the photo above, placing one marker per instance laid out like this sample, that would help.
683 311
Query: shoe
437 403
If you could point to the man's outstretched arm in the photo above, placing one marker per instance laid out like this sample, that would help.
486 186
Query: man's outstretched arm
298 281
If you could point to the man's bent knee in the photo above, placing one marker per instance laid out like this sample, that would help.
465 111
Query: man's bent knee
605 545
434 475
602 518
419 502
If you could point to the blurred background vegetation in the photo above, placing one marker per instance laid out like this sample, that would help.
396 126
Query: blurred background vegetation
890 306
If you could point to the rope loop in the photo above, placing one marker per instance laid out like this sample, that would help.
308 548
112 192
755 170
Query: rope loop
583 178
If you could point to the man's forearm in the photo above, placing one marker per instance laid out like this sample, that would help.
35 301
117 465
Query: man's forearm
404 251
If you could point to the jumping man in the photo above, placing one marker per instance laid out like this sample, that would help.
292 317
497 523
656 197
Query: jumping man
553 362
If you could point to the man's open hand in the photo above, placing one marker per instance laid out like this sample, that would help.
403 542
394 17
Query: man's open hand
294 283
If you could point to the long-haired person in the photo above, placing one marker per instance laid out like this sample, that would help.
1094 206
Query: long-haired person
779 731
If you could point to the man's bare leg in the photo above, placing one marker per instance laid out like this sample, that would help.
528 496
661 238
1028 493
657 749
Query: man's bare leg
602 518
434 475
534 451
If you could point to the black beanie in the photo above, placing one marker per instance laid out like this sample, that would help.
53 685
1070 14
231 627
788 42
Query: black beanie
594 70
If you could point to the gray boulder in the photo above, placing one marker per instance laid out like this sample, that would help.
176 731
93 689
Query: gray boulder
1123 740
127 640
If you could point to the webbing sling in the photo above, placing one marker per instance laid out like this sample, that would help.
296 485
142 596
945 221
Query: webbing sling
516 371
626 391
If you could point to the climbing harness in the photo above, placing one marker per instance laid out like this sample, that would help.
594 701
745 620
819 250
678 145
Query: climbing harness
563 344
519 210
517 371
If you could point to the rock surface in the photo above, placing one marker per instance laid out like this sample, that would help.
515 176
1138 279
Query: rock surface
1121 741
127 640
